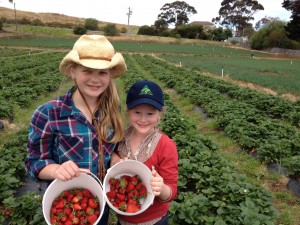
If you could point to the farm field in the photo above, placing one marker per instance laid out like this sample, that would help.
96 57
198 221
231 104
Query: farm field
215 187
277 75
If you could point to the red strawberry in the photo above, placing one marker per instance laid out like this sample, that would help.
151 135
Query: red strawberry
112 181
143 191
62 217
53 210
76 206
91 218
60 204
122 190
111 194
122 206
83 205
67 211
75 220
130 187
93 202
131 208
89 210
121 197
68 222
132 201
123 182
86 193
76 198
126 177
134 180
53 219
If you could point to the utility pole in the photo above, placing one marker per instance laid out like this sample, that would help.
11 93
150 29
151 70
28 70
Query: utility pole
11 1
15 16
129 14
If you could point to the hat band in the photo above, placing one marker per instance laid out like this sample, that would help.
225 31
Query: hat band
98 58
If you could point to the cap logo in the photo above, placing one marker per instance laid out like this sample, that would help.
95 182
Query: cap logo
146 91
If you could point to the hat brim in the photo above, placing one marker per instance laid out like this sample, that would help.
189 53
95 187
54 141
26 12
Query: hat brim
147 101
117 65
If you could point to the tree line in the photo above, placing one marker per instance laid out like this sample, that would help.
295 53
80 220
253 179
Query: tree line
234 19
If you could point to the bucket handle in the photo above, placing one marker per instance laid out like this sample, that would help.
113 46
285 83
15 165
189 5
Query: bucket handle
84 171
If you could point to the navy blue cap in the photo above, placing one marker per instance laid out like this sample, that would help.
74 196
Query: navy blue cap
145 92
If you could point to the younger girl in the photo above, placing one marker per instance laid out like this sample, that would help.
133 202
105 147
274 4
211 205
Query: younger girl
146 143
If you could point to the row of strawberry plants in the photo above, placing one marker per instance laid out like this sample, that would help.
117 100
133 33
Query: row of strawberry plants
17 208
273 140
12 52
209 189
25 78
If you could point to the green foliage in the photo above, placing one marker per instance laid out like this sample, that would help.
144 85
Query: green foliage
26 209
237 14
91 24
79 30
146 30
161 26
24 21
272 35
1 25
192 32
293 26
37 22
176 13
111 30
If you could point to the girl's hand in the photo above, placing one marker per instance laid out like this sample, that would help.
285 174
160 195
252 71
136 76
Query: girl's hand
66 171
115 158
157 182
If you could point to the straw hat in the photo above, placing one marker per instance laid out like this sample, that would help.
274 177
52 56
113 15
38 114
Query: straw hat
94 51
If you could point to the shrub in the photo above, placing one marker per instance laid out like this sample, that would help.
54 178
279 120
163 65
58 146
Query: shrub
123 30
79 30
111 30
1 25
91 24
24 21
146 30
37 22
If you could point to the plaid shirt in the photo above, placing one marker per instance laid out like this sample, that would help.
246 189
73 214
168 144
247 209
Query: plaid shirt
59 132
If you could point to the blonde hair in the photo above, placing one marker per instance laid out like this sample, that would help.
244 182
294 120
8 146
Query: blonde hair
110 114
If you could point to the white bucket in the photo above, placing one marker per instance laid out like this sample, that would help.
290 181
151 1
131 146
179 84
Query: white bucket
82 181
130 167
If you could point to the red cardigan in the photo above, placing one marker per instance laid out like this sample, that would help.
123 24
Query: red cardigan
165 160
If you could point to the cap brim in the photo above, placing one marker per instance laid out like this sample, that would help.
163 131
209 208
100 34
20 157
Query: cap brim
147 101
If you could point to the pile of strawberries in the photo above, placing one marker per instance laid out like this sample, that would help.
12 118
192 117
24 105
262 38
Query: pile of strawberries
126 193
75 206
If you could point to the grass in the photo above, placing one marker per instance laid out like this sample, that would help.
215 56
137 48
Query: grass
270 73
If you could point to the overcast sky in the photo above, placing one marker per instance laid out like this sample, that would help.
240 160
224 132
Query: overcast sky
143 12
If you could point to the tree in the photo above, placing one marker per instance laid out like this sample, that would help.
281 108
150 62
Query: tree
79 30
237 14
91 24
146 30
293 27
176 13
160 26
111 30
272 35
265 21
